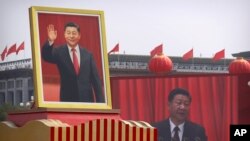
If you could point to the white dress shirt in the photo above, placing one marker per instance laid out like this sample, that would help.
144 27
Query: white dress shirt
181 127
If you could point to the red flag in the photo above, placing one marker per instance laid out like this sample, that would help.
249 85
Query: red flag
21 47
4 54
12 49
156 50
115 49
188 55
219 55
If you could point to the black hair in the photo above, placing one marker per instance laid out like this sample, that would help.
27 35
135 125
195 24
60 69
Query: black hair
72 24
178 91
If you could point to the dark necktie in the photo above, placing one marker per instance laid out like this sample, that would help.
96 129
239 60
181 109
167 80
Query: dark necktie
176 135
75 61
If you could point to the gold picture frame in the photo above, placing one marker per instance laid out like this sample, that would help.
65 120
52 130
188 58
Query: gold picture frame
46 75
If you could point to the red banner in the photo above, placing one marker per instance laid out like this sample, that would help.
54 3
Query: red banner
12 49
115 49
3 54
188 55
21 47
219 55
157 50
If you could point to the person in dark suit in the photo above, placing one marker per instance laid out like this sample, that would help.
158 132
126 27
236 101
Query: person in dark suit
177 127
77 68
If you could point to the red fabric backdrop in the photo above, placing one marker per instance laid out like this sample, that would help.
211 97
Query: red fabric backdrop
214 105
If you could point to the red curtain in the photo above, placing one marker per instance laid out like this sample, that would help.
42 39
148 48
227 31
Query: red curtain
214 105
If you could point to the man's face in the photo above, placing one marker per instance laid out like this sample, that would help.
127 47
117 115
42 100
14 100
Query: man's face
179 108
72 36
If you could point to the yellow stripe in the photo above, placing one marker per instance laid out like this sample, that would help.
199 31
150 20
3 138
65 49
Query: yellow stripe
79 132
130 133
137 134
123 132
152 134
101 130
116 130
109 130
145 134
56 134
71 133
63 133
94 130
86 131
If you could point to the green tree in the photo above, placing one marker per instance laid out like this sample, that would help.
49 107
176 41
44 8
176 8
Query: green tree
4 109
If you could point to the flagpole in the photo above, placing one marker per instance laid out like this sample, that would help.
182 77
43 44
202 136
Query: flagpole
224 62
24 52
118 59
193 61
16 56
6 57
193 56
224 58
118 44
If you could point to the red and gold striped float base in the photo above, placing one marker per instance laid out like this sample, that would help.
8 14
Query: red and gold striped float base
94 130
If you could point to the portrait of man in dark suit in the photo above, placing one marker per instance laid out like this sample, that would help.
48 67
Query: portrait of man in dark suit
79 79
177 127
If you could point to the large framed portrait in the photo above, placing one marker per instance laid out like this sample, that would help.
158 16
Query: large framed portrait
70 61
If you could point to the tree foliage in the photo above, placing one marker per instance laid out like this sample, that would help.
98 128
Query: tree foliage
4 109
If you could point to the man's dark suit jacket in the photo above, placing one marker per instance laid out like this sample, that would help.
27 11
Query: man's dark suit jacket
192 131
75 88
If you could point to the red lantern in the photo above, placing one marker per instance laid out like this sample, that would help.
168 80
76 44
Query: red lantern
160 63
239 66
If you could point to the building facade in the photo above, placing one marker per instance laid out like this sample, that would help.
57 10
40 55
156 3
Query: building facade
138 65
16 77
16 82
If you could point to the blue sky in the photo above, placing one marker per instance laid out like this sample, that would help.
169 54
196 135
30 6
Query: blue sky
208 26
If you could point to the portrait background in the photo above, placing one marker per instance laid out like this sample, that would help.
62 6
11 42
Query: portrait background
90 39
